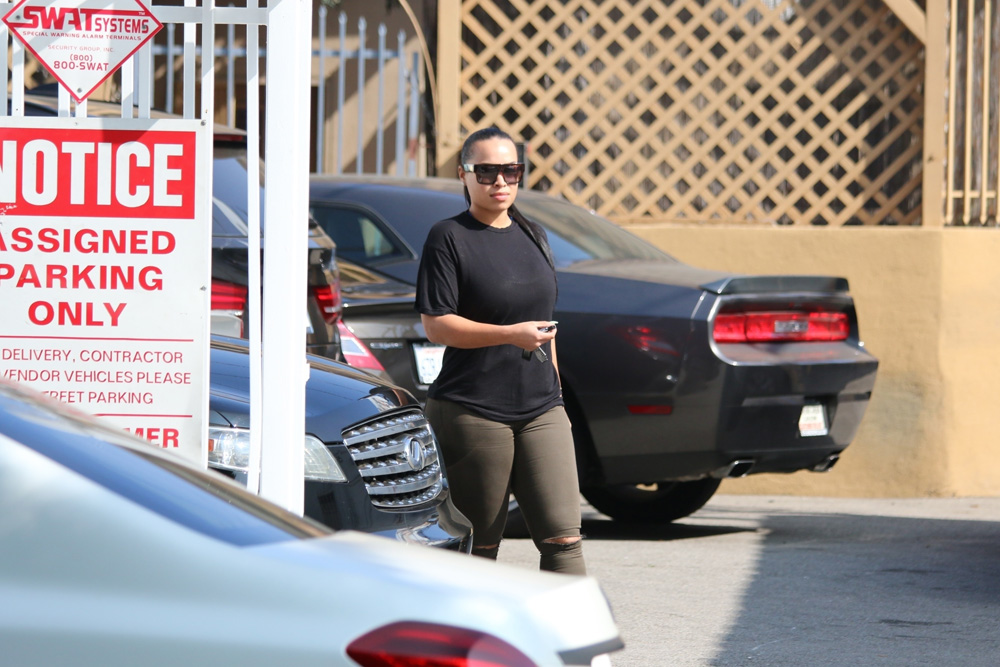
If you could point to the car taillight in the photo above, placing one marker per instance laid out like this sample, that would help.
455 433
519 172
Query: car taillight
328 299
229 302
415 644
770 326
228 296
356 353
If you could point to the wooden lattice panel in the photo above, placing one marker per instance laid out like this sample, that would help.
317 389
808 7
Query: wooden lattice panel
795 112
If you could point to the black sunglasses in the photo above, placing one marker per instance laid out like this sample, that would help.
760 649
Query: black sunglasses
486 174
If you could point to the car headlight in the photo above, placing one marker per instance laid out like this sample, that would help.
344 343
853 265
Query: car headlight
229 449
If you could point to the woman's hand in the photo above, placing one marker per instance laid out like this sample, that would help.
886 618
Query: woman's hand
531 335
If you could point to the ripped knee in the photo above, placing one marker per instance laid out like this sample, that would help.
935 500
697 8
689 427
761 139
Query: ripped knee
562 554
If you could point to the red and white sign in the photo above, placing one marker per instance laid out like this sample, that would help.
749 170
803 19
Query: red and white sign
105 255
82 42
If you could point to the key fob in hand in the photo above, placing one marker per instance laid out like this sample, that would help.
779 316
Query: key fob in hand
538 352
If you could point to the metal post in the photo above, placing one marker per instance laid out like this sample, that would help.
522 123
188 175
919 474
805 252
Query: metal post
171 56
984 164
401 106
5 35
17 78
144 80
414 112
253 253
360 160
286 217
949 174
321 93
231 74
379 139
207 111
969 70
190 33
63 102
341 92
128 87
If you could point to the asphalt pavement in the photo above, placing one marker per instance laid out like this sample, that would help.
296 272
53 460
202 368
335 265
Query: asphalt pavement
776 580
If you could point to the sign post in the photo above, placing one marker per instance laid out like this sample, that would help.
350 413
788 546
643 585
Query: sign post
285 270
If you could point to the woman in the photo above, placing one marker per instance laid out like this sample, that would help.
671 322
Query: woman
487 290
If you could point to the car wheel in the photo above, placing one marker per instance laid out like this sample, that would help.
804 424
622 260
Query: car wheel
661 502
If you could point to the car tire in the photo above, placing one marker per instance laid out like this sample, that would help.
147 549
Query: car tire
661 502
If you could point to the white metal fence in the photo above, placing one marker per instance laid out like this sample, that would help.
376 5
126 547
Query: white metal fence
397 100
407 94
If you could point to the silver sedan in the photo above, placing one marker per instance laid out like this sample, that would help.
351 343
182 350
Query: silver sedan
113 553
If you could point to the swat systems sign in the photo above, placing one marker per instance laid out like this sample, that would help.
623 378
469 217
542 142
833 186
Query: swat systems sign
104 269
82 42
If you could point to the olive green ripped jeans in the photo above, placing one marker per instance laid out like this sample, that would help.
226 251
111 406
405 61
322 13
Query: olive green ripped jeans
535 459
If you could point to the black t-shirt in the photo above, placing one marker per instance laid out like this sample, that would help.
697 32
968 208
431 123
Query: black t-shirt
494 276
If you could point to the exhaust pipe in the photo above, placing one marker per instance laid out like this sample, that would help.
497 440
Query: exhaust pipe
827 463
733 469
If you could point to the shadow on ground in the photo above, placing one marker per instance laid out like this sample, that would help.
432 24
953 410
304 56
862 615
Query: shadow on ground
596 528
841 589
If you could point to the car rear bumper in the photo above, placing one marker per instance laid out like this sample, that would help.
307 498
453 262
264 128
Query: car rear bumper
743 419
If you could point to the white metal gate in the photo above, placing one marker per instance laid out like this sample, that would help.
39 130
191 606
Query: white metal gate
278 406
397 98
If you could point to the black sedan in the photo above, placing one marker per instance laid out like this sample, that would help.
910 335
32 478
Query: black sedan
371 460
674 377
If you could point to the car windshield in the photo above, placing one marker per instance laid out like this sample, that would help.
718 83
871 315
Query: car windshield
577 235
229 210
202 501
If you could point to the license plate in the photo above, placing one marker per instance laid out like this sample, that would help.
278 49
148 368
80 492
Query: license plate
812 421
428 357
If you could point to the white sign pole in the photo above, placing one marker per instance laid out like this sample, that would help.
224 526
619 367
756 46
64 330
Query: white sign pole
284 369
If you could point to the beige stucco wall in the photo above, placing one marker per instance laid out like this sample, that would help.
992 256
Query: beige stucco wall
928 310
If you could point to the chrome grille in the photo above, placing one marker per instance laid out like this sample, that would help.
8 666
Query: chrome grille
398 459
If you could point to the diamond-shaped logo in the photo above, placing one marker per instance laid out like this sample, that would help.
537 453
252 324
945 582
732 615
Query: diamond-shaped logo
82 42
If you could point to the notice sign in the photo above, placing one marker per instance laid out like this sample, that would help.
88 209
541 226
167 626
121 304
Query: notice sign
105 254
82 42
